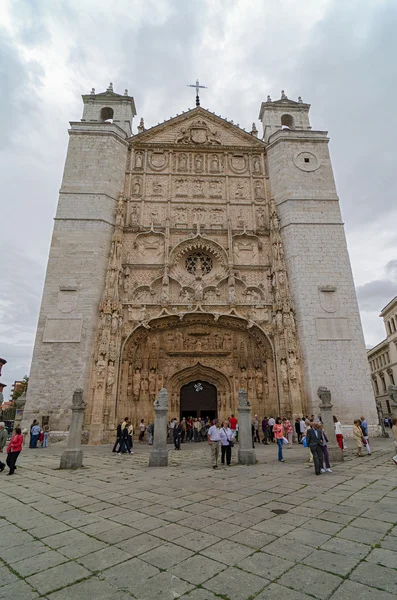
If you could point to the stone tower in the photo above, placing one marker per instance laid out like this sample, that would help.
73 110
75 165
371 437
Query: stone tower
317 260
84 222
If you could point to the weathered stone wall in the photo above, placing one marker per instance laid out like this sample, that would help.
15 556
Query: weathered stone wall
319 272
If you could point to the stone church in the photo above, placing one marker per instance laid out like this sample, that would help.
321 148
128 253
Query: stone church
198 257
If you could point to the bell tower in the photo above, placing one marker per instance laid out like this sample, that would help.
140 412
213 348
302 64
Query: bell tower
303 188
93 180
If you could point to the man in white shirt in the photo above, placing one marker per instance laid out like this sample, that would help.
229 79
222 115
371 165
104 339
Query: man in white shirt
213 440
271 424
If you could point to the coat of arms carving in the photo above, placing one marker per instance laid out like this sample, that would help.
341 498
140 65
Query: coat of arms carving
198 133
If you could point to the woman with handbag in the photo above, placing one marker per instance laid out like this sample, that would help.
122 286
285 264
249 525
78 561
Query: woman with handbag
358 435
227 443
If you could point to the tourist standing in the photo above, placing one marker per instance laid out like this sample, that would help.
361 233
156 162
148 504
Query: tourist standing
278 432
233 425
142 429
271 425
3 436
302 428
358 435
226 438
130 437
197 430
314 440
46 433
183 425
298 430
394 431
150 431
256 429
13 450
338 431
325 450
364 429
213 440
177 433
35 432
288 431
265 430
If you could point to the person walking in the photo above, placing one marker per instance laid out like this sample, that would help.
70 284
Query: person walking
278 432
125 444
117 443
35 432
183 425
338 431
3 436
46 433
177 433
358 435
226 437
142 429
14 449
213 440
364 429
315 442
325 450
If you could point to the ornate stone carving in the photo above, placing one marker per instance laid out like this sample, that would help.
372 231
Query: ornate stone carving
198 133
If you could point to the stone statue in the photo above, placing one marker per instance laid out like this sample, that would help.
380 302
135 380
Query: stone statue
257 165
243 399
392 393
78 401
258 190
136 382
137 188
325 395
162 399
138 160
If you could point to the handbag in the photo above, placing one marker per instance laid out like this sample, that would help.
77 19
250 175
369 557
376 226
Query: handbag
394 459
285 441
231 443
304 442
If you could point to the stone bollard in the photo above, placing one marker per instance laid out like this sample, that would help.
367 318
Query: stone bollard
246 453
72 457
335 453
159 453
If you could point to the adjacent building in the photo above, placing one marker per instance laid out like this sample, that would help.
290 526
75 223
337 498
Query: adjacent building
383 358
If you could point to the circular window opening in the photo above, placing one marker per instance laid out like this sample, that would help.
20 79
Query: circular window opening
198 261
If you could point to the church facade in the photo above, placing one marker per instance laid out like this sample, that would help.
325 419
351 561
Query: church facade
197 257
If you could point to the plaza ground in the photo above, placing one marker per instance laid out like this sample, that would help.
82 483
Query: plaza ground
119 530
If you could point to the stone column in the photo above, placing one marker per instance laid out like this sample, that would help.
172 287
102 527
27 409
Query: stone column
246 453
325 406
159 453
72 457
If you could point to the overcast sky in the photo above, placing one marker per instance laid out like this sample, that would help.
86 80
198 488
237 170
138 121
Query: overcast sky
339 56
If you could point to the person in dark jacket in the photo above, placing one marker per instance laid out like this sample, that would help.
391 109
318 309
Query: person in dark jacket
125 442
117 443
315 442
177 435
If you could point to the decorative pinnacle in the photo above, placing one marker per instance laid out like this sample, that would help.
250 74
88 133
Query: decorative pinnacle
110 87
283 96
92 92
125 92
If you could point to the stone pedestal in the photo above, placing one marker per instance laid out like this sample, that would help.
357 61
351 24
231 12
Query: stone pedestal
246 453
325 406
159 453
72 457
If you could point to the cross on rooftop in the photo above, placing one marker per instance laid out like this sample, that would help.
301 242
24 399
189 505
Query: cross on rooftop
198 87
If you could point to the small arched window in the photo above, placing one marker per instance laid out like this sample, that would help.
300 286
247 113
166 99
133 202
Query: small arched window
287 121
106 114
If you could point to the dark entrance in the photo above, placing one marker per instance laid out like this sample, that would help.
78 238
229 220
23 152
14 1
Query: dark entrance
199 399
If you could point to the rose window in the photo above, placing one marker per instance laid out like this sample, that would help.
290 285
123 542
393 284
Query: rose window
198 258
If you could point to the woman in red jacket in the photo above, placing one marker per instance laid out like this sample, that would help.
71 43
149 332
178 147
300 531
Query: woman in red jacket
13 449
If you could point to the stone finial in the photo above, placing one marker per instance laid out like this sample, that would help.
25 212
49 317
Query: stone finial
254 130
392 393
325 396
110 87
162 399
92 92
268 99
283 96
300 99
126 92
243 399
78 401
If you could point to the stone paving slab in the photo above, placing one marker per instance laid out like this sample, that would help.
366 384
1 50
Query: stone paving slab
201 534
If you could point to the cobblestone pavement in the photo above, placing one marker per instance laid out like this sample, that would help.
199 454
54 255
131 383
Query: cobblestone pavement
117 530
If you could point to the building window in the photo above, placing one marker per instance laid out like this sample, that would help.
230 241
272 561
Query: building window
193 260
391 378
389 327
106 114
376 387
287 121
384 384
393 324
388 407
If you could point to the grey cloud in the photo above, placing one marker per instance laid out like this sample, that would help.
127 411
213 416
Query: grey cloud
391 269
373 296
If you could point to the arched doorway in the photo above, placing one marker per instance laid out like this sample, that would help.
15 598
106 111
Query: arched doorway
199 399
